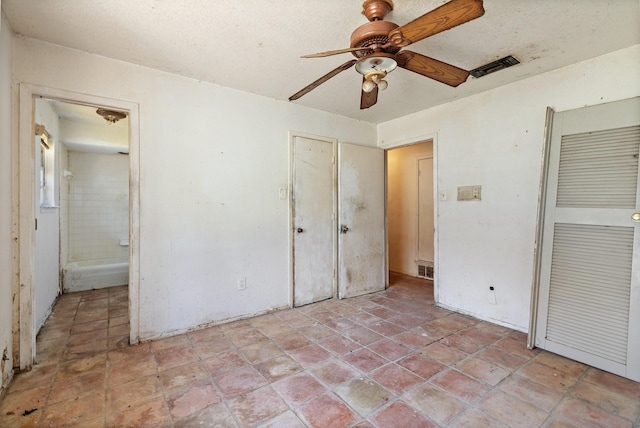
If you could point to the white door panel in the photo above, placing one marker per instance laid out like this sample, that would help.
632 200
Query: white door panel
589 292
362 262
313 220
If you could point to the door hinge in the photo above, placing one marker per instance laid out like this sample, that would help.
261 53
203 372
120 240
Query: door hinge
36 224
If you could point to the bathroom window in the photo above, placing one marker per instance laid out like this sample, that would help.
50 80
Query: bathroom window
46 174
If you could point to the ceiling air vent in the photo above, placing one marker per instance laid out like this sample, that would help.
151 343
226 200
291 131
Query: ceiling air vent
494 66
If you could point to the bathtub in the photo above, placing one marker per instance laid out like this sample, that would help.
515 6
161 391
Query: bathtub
92 274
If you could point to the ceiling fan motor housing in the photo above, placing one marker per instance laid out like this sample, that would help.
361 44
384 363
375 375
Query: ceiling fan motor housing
374 35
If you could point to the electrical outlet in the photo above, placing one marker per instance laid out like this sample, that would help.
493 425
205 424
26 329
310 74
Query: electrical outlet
242 283
443 195
282 193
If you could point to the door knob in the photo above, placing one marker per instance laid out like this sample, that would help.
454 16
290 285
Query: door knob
343 229
635 217
299 230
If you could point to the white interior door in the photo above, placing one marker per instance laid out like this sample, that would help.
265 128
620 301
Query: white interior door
589 291
425 209
361 238
313 208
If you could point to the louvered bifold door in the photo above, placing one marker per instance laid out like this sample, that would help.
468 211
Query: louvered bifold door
588 307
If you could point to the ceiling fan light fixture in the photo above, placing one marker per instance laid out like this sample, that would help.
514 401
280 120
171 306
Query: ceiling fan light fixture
376 62
373 79
368 86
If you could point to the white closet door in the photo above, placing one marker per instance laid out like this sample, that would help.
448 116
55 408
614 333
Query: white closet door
589 296
313 208
361 204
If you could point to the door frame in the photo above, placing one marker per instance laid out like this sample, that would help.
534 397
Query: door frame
433 137
537 248
24 334
334 142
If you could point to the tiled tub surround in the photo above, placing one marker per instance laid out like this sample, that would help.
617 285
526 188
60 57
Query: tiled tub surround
98 206
389 359
96 222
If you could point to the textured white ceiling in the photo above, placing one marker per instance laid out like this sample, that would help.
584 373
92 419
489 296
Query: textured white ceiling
255 46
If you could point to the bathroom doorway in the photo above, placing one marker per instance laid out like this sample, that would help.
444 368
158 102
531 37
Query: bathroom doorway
93 188
94 197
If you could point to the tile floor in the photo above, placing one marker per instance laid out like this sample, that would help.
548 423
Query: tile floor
390 359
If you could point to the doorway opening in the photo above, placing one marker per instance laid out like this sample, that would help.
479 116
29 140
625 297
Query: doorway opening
410 213
91 170
78 212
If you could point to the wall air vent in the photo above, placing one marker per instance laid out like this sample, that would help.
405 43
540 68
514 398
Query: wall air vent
494 66
425 270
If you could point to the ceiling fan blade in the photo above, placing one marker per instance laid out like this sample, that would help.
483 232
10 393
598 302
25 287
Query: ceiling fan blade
367 99
323 79
336 52
447 16
432 68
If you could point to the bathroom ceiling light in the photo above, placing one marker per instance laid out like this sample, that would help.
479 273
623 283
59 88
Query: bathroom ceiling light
111 116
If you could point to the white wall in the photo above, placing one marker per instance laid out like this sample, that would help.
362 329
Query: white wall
47 255
6 202
98 206
211 162
402 206
495 139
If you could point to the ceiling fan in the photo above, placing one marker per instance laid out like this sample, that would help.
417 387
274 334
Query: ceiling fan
378 44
